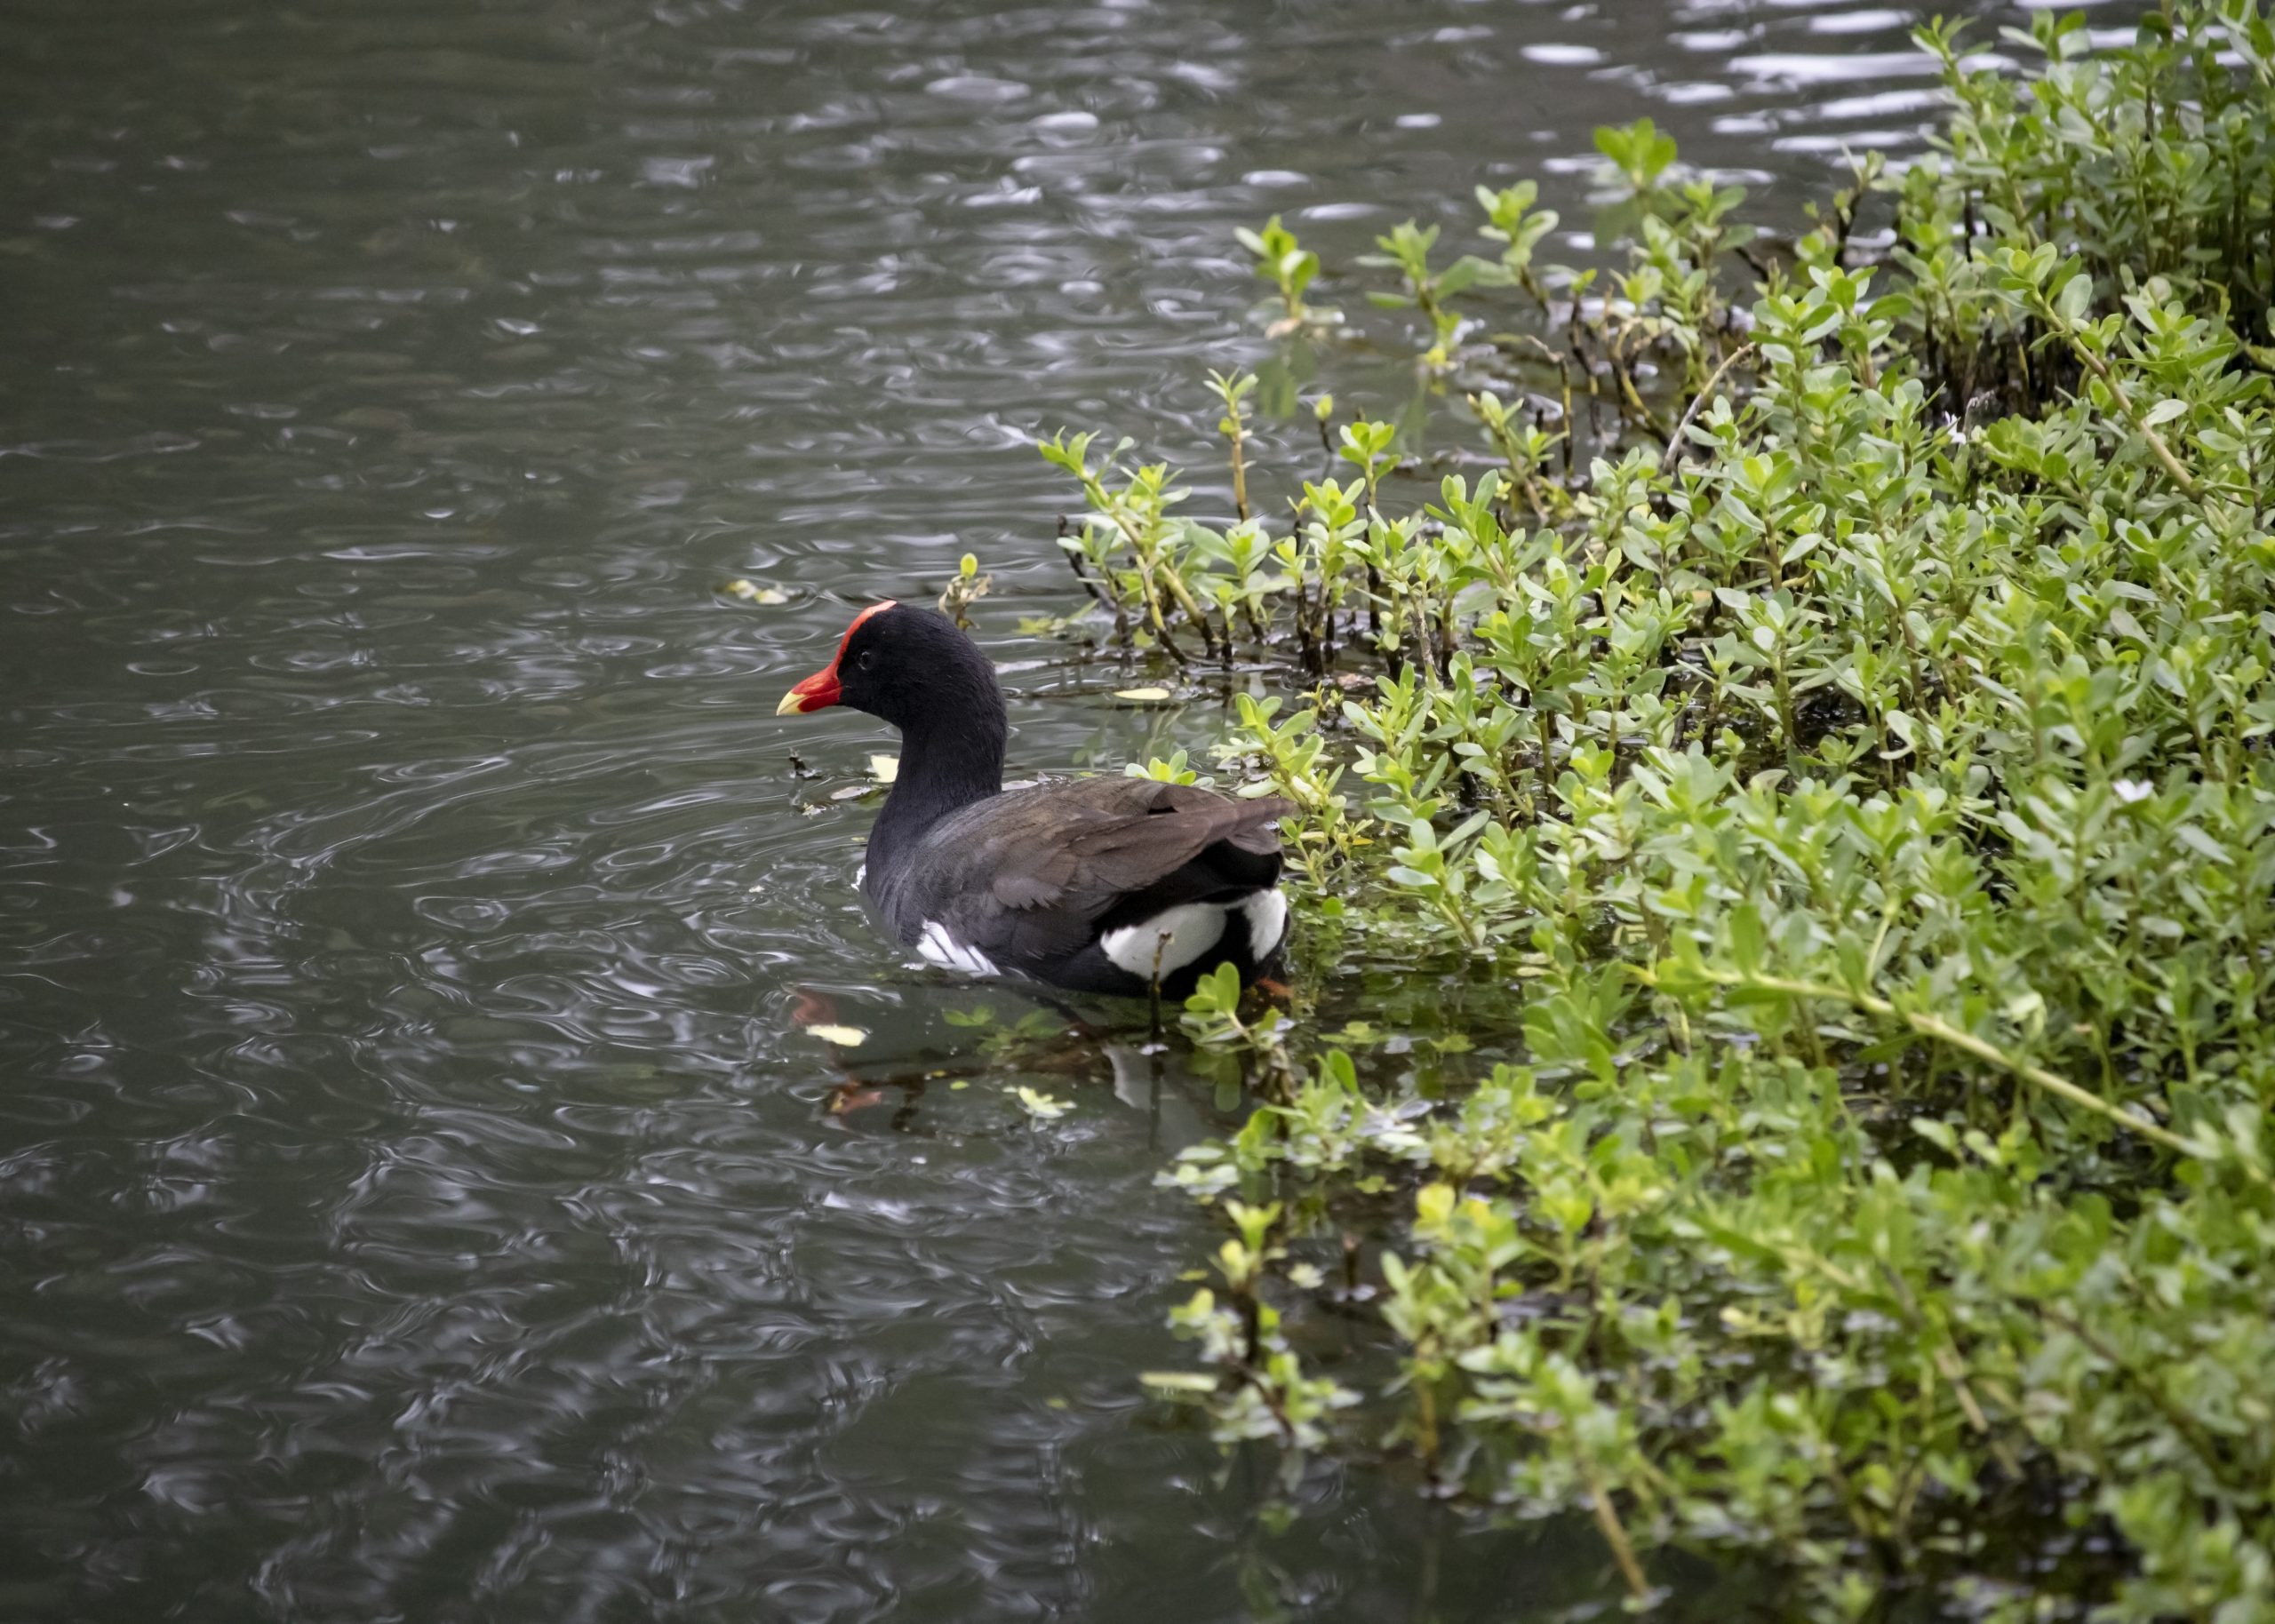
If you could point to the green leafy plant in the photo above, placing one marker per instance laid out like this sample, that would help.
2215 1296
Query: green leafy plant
1836 735
1290 267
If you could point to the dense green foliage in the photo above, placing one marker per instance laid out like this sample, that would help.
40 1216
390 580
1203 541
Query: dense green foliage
1856 779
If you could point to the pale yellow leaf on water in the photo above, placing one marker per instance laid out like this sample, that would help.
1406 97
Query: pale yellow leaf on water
1143 695
1178 1380
751 592
844 1036
884 769
849 792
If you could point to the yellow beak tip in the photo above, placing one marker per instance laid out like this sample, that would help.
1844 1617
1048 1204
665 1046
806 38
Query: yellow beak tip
793 703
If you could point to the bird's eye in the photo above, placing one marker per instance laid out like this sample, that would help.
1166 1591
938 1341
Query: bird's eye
867 660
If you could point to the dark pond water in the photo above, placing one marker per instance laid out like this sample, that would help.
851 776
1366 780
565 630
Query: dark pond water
424 1195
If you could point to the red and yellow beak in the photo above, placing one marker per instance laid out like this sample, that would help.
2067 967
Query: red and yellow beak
821 691
816 693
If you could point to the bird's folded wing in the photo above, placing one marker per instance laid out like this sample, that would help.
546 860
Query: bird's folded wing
1131 834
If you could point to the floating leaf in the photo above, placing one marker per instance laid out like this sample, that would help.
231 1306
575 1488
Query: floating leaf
1142 695
844 1036
1179 1381
884 769
751 592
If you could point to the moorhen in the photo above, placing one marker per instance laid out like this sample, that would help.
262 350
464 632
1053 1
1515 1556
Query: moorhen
1097 885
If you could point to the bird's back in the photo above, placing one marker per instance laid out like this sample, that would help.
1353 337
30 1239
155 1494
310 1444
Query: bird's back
1096 884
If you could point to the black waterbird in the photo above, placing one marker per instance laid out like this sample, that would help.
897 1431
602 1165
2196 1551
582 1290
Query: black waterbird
1099 884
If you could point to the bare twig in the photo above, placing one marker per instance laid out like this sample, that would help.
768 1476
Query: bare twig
1690 414
1615 1534
1960 1037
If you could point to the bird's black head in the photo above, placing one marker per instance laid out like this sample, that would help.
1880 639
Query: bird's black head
909 667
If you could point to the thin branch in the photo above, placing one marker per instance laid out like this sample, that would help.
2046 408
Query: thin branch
1615 1534
1675 441
1959 1038
2181 481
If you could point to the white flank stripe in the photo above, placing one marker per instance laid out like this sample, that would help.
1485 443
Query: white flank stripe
937 947
1178 936
1267 917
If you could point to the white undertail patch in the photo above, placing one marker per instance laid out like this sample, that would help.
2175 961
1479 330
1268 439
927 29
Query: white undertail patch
1171 939
1267 918
934 945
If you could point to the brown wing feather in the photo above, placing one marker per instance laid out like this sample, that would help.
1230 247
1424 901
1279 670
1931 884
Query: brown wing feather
1036 874
1130 833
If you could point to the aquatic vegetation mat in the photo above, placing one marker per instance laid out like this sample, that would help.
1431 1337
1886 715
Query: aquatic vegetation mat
1807 740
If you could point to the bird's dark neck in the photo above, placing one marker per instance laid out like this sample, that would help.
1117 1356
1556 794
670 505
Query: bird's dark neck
950 757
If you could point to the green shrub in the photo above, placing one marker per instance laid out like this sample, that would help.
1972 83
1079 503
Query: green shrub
1855 781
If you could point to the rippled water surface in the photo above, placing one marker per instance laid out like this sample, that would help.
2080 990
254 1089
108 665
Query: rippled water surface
424 1197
